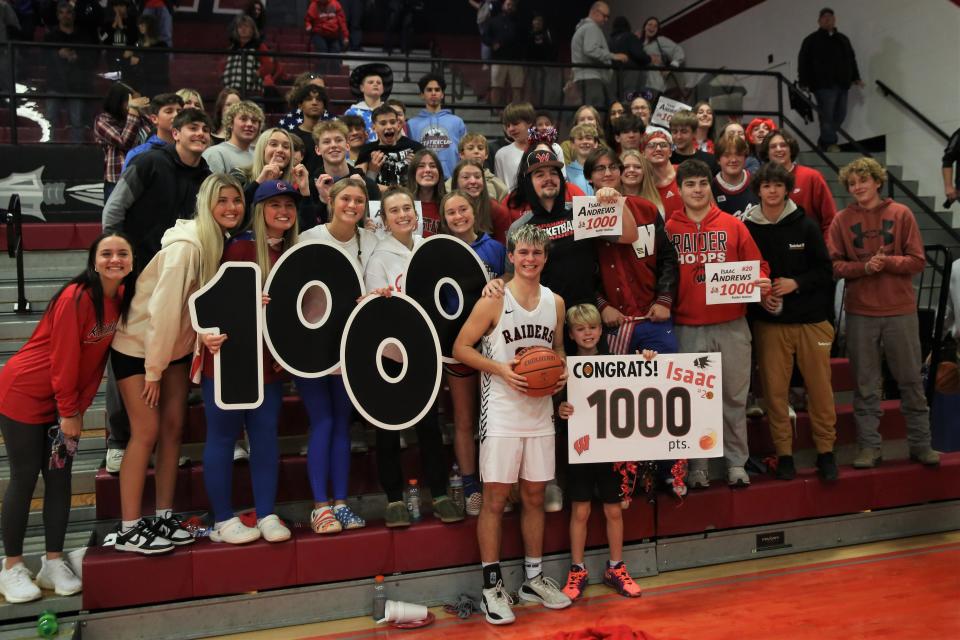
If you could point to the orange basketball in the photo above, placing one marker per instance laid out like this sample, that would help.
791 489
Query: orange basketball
542 367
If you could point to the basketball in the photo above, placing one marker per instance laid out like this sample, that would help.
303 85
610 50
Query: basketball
542 367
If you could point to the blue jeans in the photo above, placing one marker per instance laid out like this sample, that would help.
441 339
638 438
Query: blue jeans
353 9
77 114
832 110
223 429
327 45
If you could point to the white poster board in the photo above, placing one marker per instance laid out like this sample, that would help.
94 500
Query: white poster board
627 408
732 282
663 112
591 219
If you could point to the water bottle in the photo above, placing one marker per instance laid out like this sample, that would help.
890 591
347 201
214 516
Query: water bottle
47 625
379 599
413 500
456 486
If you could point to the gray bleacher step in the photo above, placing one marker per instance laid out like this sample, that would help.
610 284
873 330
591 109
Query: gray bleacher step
85 466
38 292
17 327
88 440
61 259
840 158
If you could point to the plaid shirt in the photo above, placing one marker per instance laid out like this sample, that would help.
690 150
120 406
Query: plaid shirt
117 138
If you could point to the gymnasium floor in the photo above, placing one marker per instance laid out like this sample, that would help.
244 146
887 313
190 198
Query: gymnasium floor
903 589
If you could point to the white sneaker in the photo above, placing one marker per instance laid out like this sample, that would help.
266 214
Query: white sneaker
75 558
553 498
545 591
697 479
234 532
737 477
495 604
57 575
114 460
239 453
16 584
273 530
754 408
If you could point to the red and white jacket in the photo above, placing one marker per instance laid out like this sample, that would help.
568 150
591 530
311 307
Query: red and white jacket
637 276
812 194
719 237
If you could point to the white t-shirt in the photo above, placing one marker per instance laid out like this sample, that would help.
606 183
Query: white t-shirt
360 252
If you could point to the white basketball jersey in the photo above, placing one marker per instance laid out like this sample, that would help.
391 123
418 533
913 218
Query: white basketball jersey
504 411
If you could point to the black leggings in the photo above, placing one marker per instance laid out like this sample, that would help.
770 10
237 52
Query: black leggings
432 461
28 451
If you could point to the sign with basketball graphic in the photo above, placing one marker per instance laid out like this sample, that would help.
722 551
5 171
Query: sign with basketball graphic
627 408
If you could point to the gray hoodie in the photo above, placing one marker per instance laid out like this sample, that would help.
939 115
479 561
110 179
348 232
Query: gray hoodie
589 46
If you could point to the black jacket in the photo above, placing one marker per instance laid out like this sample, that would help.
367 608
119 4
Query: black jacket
794 248
827 61
629 43
154 191
507 31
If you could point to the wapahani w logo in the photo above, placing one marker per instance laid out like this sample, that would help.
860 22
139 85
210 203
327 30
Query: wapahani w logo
581 444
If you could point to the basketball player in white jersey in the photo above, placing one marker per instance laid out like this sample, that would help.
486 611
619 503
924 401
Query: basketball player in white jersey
516 431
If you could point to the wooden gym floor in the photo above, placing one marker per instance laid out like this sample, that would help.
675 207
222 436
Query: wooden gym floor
903 589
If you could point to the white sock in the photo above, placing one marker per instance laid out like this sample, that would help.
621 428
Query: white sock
164 513
613 563
531 566
127 525
579 565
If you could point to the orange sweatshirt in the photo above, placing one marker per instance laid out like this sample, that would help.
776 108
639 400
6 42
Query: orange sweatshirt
855 236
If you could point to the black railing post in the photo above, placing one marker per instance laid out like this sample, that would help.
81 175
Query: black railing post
14 221
939 318
780 80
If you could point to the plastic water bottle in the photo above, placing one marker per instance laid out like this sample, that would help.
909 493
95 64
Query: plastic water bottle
413 500
379 599
47 625
456 486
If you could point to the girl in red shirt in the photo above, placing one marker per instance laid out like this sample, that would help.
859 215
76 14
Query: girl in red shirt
425 179
52 379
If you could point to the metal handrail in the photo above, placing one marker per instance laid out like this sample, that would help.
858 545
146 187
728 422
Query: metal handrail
891 179
14 221
890 93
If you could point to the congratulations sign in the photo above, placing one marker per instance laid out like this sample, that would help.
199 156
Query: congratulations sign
627 408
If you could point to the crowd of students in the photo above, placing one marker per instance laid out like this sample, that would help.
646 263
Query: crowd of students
177 207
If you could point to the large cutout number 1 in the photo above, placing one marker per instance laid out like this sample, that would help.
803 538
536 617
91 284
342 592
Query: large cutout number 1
238 365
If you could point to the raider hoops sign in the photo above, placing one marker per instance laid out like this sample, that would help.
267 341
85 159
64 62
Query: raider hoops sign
628 408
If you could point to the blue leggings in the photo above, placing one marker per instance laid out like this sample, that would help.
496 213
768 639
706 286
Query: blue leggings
223 429
328 450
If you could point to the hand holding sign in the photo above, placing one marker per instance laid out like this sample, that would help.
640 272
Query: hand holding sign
596 217
733 282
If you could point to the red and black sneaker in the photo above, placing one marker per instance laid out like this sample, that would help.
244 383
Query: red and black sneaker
618 578
576 582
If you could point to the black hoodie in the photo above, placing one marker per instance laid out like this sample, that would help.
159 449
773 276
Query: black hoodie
154 191
794 248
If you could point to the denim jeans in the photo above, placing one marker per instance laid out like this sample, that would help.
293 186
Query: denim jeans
832 110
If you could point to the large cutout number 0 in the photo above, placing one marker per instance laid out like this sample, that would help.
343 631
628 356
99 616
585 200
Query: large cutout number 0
238 365
313 288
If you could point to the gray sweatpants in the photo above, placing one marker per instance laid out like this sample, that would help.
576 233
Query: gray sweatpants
897 338
732 340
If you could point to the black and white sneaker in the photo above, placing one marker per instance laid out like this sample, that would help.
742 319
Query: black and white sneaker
495 604
144 539
173 530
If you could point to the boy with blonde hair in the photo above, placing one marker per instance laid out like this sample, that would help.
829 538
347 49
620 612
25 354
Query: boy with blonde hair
584 139
586 330
473 146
